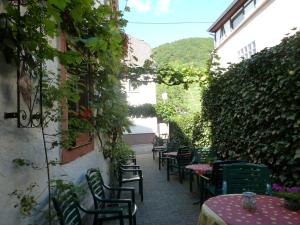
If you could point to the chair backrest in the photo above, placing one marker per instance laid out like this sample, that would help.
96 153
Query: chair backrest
95 182
200 155
238 178
66 205
217 173
184 156
172 146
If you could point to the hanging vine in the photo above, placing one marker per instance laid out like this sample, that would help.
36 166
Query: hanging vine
94 49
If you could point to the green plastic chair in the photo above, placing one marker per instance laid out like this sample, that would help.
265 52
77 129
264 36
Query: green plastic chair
183 158
212 185
239 178
68 208
171 146
101 201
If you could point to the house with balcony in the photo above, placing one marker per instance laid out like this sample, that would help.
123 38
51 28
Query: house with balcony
248 26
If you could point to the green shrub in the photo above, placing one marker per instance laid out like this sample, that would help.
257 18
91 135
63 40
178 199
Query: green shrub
181 129
254 109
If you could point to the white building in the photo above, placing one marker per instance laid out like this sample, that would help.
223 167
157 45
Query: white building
248 26
144 129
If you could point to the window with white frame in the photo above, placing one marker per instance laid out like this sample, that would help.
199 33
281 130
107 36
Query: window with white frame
247 51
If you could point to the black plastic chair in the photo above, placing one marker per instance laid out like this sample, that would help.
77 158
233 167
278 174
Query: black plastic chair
101 201
67 206
131 173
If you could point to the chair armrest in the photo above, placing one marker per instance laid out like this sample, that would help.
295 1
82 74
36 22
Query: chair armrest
131 170
131 166
129 202
100 211
205 178
131 189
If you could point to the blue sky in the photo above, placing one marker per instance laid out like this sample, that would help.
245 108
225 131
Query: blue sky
158 11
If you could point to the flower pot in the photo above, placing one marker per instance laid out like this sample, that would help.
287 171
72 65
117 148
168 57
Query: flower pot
292 205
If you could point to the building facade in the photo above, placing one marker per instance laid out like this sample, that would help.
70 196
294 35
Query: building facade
248 26
143 129
23 172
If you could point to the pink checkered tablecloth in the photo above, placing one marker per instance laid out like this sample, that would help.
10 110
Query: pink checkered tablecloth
269 211
199 169
172 154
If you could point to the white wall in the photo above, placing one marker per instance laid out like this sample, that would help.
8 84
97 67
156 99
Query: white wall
267 26
144 93
26 143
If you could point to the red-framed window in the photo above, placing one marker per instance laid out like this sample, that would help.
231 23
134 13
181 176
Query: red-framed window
84 142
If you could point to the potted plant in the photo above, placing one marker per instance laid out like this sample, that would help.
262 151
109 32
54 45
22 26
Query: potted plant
291 196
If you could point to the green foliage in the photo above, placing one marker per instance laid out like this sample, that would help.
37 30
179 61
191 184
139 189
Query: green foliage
166 111
254 110
201 131
91 60
183 76
26 201
292 196
145 110
191 51
181 129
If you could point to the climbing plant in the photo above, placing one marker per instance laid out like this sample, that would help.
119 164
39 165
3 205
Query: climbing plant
254 110
94 47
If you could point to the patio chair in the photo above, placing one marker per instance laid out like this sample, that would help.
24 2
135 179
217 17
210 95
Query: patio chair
158 143
183 158
212 185
101 201
199 156
68 209
131 173
171 146
238 178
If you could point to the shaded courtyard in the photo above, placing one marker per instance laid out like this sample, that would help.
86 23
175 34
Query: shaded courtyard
165 203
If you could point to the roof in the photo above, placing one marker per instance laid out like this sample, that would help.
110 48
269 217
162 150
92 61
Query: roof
226 15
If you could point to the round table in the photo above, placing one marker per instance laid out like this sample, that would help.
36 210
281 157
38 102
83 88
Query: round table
228 210
199 169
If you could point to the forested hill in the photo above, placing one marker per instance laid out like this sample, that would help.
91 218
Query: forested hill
193 51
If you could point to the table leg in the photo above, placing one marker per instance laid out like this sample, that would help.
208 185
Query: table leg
168 168
191 180
159 160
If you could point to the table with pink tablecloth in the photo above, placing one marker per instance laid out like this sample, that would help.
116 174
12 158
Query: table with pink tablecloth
228 210
199 169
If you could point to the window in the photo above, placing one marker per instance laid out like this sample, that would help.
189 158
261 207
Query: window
249 6
84 143
247 51
237 18
222 32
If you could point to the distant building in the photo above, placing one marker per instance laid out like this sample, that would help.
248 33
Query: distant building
248 26
144 129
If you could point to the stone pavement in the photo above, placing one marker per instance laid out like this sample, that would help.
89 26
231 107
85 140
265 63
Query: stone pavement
165 203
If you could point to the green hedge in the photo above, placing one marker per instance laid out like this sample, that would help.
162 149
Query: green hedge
181 129
254 109
190 129
142 111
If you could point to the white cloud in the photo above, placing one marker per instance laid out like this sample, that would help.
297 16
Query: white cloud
163 6
140 5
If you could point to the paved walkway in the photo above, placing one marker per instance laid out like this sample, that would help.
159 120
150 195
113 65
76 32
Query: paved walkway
165 203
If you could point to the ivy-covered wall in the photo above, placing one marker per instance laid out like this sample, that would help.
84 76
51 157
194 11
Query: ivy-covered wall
254 109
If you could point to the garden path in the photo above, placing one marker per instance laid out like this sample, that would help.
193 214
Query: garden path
165 203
